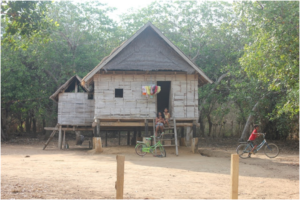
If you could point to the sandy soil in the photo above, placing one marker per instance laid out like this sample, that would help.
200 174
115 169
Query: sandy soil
29 172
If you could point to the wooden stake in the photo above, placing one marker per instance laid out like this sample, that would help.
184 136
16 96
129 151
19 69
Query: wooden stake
120 176
59 138
234 176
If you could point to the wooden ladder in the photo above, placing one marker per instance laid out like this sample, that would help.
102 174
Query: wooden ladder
51 136
175 136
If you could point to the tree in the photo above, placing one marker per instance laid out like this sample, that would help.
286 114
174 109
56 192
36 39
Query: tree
273 54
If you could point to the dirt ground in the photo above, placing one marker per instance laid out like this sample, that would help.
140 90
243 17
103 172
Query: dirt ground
29 172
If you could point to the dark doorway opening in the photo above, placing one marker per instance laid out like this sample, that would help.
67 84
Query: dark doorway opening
163 96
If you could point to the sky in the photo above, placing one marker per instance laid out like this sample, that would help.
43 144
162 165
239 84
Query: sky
123 5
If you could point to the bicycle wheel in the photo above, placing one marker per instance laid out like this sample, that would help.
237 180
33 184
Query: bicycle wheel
243 150
139 149
271 150
159 151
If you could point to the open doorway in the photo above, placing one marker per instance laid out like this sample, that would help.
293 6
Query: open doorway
163 96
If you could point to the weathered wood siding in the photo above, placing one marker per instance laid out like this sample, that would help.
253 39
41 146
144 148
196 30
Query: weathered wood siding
75 109
183 97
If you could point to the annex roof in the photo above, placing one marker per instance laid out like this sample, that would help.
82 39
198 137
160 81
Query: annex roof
65 86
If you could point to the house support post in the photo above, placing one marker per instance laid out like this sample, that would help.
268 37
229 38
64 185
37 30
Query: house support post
106 138
98 128
119 138
146 130
59 138
194 144
128 138
134 138
64 140
97 144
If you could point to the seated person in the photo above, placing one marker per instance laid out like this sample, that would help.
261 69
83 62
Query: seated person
159 123
167 116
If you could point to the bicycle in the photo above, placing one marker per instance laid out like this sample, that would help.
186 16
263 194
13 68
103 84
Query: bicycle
271 150
157 150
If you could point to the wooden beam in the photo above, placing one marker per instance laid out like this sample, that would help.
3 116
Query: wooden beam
234 176
67 129
120 176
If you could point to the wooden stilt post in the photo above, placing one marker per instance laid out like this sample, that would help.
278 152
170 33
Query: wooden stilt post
106 138
64 140
234 176
128 137
194 129
175 134
98 128
154 134
59 137
119 137
119 185
146 128
134 137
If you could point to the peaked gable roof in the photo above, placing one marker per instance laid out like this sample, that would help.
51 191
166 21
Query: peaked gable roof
105 61
65 86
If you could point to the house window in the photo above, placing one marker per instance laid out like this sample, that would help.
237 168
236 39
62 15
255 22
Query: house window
118 93
91 96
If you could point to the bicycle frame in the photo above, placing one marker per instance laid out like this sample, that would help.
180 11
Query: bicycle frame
260 145
148 149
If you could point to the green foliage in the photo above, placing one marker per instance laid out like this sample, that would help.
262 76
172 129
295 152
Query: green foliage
25 19
273 55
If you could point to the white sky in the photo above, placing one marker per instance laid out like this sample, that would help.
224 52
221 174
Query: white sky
123 5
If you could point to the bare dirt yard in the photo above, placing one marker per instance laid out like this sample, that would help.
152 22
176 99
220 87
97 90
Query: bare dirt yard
29 172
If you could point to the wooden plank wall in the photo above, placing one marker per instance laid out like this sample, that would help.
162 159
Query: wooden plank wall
184 95
75 109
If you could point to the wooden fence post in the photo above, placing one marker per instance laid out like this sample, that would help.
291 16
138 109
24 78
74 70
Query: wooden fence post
119 185
234 176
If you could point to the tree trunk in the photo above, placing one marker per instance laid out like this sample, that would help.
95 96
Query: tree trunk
44 125
27 123
209 125
211 91
2 135
248 122
202 126
33 124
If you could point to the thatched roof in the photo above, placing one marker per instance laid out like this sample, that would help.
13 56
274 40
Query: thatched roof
65 86
157 59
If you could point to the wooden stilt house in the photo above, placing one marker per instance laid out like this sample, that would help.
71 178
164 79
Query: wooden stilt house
147 58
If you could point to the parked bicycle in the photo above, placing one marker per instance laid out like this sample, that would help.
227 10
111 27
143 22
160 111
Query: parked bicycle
157 150
271 150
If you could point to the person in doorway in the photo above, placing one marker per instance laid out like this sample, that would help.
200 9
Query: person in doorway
253 139
159 123
167 116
